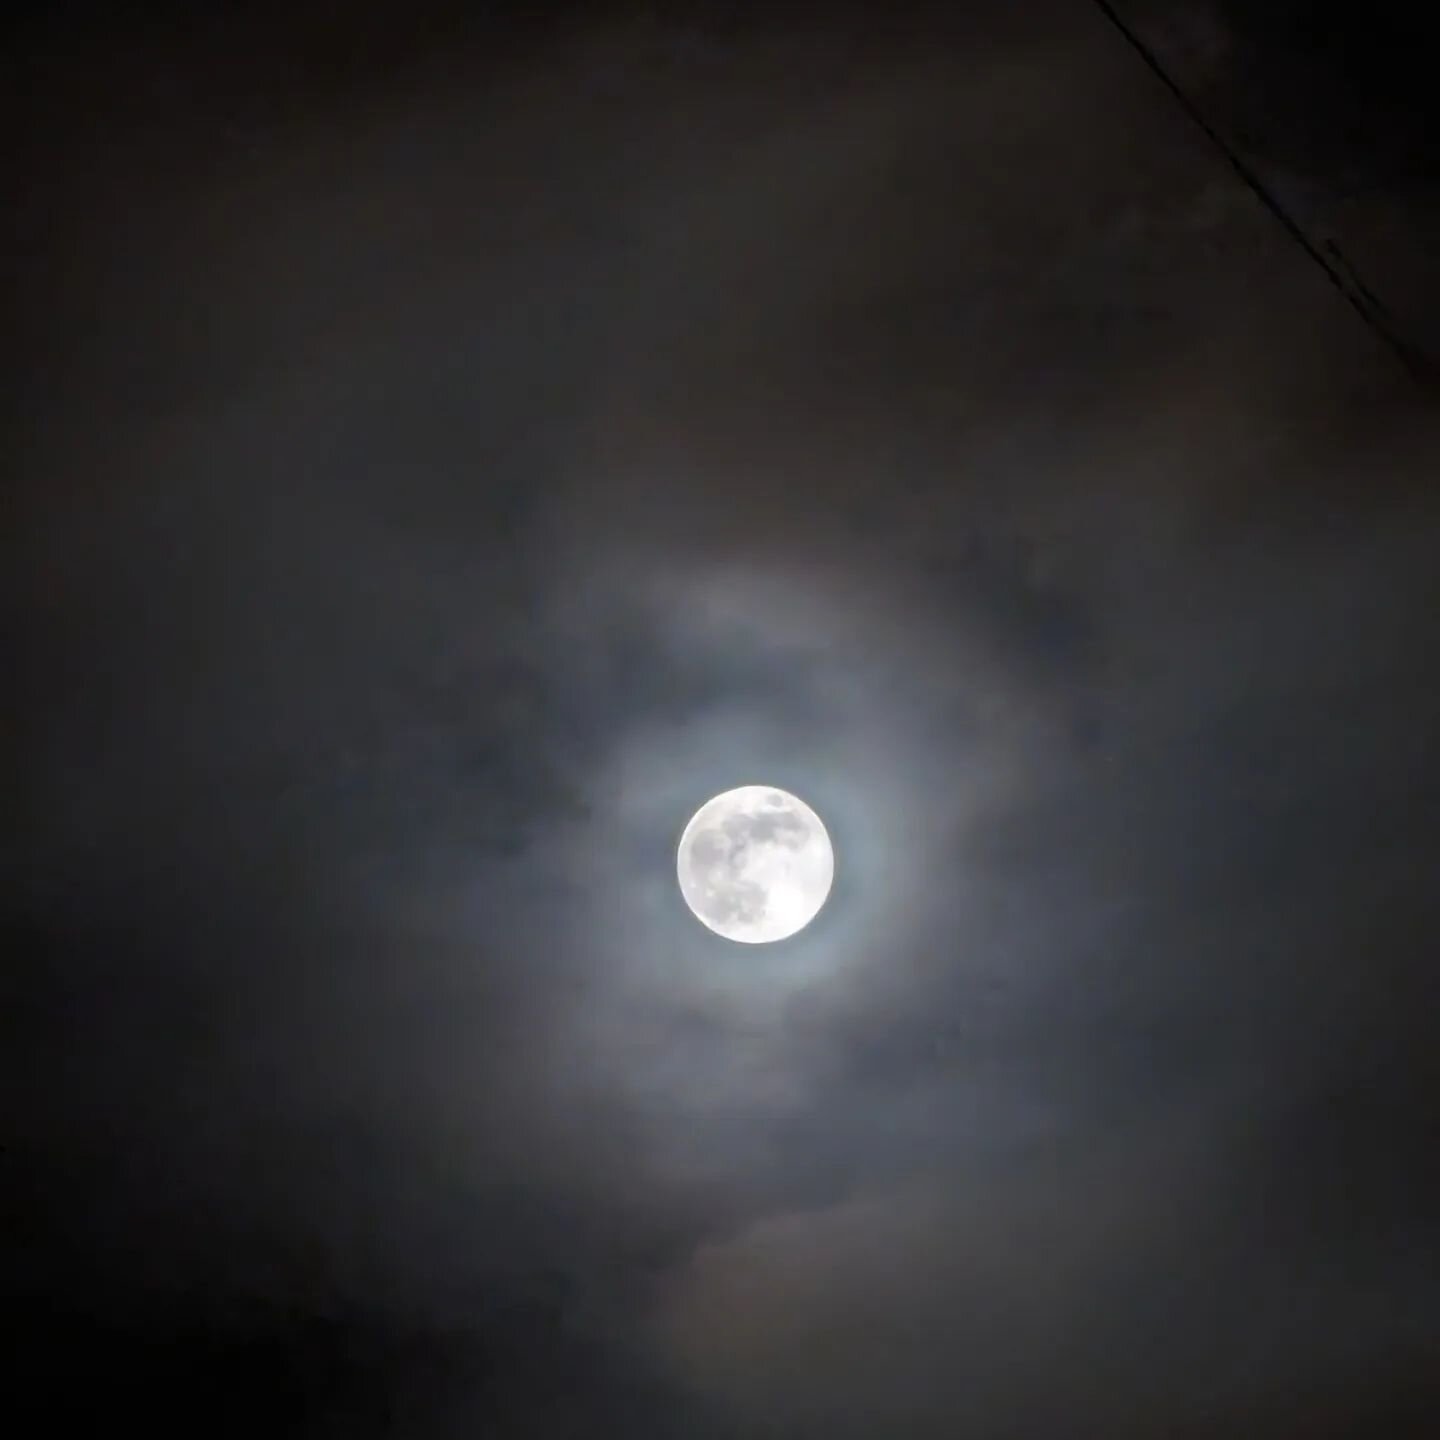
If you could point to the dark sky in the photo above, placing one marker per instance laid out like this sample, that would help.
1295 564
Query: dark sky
445 450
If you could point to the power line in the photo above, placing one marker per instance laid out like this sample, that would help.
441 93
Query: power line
1356 295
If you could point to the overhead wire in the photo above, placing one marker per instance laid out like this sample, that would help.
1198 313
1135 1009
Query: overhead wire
1356 294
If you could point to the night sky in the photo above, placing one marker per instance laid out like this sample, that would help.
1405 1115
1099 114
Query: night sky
448 444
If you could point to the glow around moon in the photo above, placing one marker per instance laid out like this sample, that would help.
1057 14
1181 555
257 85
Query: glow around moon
755 864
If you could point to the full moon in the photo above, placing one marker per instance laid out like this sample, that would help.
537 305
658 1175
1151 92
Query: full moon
755 864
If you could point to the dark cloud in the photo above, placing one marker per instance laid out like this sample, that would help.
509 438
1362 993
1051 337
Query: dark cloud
445 460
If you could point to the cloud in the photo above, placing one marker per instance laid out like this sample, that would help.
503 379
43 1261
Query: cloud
930 434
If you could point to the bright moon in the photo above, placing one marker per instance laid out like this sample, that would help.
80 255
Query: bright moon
755 864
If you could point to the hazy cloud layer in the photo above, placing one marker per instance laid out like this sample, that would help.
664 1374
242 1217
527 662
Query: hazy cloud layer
442 487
